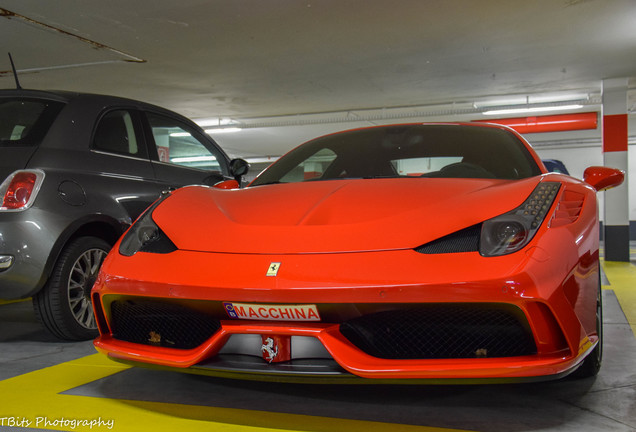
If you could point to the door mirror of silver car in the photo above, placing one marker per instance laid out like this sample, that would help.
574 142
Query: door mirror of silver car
239 167
602 178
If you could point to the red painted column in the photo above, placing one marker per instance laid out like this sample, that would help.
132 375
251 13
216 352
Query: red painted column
616 217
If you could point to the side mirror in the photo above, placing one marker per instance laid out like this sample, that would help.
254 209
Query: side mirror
227 184
602 178
239 167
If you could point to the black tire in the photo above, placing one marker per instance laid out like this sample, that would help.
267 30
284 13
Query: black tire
592 363
64 305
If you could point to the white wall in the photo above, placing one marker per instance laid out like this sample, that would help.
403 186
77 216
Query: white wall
576 159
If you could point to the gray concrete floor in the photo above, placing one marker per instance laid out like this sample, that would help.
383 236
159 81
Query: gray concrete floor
25 346
604 403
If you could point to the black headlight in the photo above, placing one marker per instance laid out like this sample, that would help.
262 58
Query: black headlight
145 236
511 231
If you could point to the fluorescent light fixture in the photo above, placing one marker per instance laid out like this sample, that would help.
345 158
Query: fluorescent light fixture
218 125
520 100
255 160
207 131
222 130
208 122
215 121
193 159
532 99
528 110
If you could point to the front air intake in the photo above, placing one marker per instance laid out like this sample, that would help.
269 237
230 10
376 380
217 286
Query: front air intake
162 324
442 332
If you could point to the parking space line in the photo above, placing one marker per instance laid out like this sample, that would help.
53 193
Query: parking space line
4 302
621 276
34 400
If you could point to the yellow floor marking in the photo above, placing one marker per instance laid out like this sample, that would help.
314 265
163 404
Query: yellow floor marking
3 302
33 400
622 278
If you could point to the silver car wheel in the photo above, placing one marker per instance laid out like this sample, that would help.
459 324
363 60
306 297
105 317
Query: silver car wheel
81 280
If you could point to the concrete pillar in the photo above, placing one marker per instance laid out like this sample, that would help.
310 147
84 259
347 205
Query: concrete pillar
615 155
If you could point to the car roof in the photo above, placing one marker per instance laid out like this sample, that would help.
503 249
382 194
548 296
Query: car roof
63 96
68 96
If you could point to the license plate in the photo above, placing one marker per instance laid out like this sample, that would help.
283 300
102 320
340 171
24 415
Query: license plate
270 312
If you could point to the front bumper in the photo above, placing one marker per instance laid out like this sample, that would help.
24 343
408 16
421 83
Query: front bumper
552 302
347 365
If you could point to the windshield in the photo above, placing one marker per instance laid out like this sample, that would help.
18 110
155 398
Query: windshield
24 122
447 151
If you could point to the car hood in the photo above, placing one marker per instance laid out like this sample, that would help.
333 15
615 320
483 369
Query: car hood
333 216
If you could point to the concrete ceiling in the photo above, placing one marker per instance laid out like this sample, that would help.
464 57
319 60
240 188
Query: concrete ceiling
286 68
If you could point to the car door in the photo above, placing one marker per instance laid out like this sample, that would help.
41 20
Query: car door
182 154
122 171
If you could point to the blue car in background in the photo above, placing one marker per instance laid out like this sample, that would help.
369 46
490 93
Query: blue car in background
555 165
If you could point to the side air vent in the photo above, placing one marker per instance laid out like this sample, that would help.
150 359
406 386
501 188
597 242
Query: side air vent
466 240
568 209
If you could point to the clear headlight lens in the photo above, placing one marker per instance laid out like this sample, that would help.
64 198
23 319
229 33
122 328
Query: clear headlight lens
145 236
511 231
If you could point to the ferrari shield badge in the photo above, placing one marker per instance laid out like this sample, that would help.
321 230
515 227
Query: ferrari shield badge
269 349
276 348
273 269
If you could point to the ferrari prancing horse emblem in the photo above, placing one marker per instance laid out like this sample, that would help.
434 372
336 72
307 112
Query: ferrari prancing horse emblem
269 349
273 269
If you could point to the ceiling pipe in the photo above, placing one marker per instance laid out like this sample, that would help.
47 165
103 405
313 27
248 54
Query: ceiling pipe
379 115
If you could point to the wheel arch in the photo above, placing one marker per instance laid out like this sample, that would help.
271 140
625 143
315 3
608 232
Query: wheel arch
100 226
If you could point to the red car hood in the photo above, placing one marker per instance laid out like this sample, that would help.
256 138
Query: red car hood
333 216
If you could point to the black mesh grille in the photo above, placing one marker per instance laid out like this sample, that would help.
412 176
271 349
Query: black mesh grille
160 324
440 332
466 240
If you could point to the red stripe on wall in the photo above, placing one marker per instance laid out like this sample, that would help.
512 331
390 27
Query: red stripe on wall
615 133
553 123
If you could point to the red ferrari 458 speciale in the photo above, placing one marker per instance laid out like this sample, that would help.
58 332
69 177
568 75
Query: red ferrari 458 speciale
402 253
